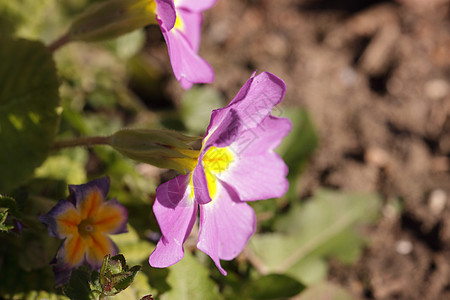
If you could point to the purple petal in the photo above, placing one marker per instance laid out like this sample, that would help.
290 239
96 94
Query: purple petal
253 103
175 213
61 267
226 225
187 65
262 139
259 173
230 129
49 219
78 192
196 5
62 273
200 184
192 27
258 177
166 13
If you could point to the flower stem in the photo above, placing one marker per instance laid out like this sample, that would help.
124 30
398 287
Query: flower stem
61 41
84 141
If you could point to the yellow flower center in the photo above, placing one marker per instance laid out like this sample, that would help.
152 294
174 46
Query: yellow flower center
179 24
190 161
215 161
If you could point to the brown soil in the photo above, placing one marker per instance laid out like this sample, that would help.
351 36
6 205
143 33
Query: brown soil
374 76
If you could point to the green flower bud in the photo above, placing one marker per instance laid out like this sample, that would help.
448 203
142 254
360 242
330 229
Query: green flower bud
111 19
158 147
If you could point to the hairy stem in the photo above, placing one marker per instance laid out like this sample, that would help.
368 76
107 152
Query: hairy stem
61 41
84 141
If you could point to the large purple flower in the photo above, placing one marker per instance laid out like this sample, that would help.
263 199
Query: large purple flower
84 220
183 42
236 163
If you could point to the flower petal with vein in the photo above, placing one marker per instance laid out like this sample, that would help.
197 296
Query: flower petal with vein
84 220
183 42
236 164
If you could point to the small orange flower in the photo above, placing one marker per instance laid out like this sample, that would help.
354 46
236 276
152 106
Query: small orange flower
84 219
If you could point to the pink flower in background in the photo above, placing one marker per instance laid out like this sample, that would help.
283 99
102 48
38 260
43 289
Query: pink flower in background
237 163
183 42
84 219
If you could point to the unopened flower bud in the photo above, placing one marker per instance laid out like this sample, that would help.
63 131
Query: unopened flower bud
158 147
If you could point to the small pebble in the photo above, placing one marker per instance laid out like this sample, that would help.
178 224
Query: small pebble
404 247
437 201
437 89
377 157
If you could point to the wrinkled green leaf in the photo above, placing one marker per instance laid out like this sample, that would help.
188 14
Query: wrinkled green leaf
115 276
3 216
136 251
127 279
273 286
325 290
189 280
28 109
324 226
196 107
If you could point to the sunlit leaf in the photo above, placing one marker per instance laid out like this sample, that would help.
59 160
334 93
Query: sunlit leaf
29 18
298 146
273 286
196 107
69 166
325 290
325 226
28 109
189 280
128 44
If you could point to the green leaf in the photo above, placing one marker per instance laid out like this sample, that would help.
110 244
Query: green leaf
29 18
7 206
69 166
326 290
78 286
298 146
127 279
189 280
10 204
135 249
29 104
128 45
3 216
34 295
273 286
324 226
196 107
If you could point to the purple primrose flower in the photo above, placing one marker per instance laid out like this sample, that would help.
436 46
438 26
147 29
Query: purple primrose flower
84 219
183 42
236 163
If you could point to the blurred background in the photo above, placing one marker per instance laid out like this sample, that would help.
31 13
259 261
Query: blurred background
368 91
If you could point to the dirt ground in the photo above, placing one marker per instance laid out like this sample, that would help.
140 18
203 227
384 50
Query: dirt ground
374 75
